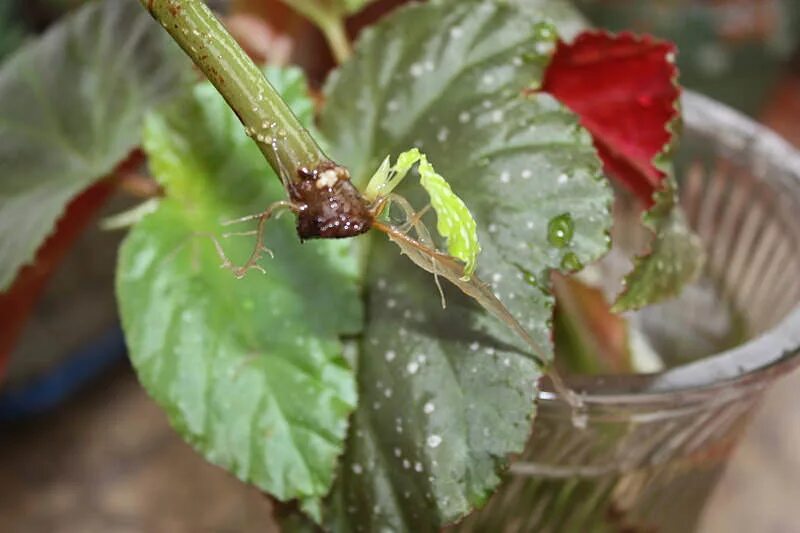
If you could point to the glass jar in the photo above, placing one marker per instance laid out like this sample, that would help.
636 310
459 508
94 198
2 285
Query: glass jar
645 452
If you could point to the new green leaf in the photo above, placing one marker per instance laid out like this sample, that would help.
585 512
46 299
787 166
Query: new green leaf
388 177
251 372
454 221
71 107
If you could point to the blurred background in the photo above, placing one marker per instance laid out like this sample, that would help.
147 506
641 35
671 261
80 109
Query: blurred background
83 449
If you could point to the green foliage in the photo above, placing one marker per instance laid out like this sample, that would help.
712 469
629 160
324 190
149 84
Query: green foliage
71 107
562 13
251 371
323 9
675 257
454 221
446 396
388 176
255 373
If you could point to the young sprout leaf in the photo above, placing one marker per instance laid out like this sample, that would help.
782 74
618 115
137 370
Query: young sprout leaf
405 161
454 221
387 178
379 181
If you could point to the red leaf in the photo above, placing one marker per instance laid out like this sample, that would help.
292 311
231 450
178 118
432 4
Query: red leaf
624 88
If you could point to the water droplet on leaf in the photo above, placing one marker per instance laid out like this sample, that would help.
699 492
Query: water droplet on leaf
560 230
530 279
571 263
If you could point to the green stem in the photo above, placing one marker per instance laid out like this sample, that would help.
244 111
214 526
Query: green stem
330 21
284 142
337 39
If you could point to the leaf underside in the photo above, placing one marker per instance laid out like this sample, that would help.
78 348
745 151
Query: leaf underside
251 372
71 108
446 395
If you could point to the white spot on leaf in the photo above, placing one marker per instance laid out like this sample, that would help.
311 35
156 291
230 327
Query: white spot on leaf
434 441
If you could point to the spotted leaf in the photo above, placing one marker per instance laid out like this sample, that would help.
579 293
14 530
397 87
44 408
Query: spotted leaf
447 395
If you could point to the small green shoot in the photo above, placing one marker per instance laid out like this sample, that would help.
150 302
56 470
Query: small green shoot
388 177
454 220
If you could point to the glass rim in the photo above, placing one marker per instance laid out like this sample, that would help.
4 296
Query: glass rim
734 371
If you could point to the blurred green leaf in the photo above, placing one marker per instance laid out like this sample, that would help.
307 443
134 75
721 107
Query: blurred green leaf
250 371
589 338
12 29
354 6
71 107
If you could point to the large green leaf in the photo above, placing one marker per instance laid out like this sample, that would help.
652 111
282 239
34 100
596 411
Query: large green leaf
562 13
250 371
71 107
446 396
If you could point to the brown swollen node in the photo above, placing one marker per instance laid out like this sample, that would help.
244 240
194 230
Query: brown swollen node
328 205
